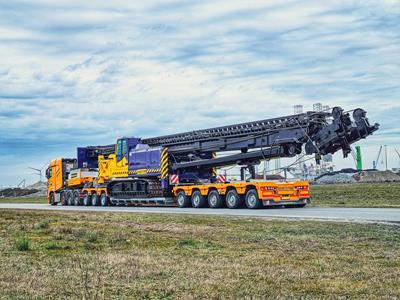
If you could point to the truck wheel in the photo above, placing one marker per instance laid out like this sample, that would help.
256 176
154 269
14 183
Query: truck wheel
95 200
252 200
104 200
87 200
76 198
52 200
63 199
233 200
215 200
182 200
69 198
198 200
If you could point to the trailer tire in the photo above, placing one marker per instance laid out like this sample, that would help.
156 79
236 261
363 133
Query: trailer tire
215 200
233 200
198 200
87 200
76 198
104 200
63 199
95 200
182 199
252 200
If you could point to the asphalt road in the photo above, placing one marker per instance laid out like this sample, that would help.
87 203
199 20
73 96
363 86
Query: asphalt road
313 213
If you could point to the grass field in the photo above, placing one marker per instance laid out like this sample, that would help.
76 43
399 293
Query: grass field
24 200
357 195
340 195
103 256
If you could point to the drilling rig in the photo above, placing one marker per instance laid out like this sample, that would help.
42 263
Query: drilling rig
181 169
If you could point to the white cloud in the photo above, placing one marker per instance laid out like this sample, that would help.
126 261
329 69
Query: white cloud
74 73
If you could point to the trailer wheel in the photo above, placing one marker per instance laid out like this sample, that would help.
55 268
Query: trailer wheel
215 200
95 200
87 201
104 200
198 200
76 198
182 199
233 200
252 200
63 199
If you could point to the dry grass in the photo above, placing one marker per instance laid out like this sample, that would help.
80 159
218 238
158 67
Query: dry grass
114 256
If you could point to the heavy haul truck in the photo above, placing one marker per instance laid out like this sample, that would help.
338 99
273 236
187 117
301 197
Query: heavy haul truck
181 169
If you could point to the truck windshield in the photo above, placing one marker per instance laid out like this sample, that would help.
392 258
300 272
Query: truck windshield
122 149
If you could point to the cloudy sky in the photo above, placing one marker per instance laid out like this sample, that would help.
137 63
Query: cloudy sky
86 72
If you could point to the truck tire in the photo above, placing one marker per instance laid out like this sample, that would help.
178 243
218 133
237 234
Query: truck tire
215 200
182 199
104 200
233 200
95 200
87 200
198 200
252 200
52 200
63 199
76 198
70 198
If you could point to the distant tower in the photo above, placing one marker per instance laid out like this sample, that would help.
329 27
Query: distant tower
298 109
317 107
325 108
277 166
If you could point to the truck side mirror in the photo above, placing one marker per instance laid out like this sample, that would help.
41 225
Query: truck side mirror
47 173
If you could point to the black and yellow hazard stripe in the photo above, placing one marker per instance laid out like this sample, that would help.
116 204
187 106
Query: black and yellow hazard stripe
214 170
164 163
144 171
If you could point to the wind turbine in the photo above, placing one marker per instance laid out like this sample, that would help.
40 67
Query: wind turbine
398 153
39 172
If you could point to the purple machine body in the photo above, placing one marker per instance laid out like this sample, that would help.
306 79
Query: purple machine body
143 161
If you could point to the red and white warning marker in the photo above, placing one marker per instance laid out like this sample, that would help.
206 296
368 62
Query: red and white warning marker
221 178
174 179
